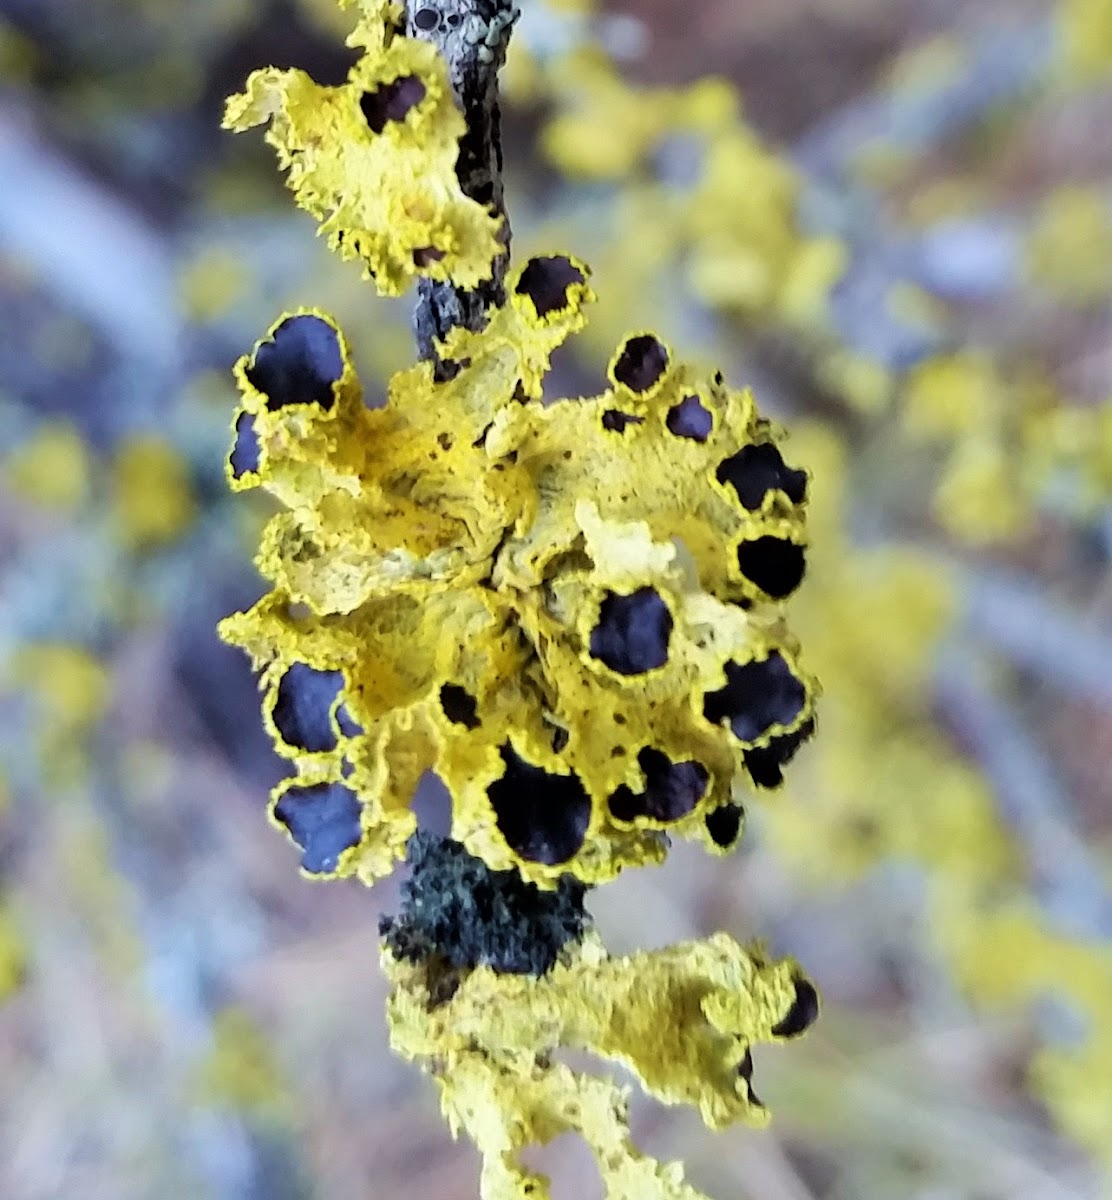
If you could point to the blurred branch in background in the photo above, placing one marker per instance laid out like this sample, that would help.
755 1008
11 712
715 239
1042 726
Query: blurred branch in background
1068 880
89 249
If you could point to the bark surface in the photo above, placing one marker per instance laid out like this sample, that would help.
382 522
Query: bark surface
472 36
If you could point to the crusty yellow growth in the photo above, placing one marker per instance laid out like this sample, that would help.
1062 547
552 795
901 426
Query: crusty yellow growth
491 1044
570 611
374 160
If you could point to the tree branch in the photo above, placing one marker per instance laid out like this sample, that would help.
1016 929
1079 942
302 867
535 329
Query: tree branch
514 926
472 36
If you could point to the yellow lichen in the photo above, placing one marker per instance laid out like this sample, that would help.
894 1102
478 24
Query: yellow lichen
863 383
52 468
1085 29
239 1071
1075 1083
603 128
730 227
67 683
490 1041
746 252
68 691
977 499
14 952
1098 450
951 396
1008 953
1070 247
152 494
95 888
374 160
879 783
570 611
19 54
213 282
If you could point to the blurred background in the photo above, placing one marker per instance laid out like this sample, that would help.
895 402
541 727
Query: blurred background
893 218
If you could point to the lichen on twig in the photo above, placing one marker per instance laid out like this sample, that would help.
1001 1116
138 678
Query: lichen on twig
471 36
571 612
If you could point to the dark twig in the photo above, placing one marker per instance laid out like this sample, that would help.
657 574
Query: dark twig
456 911
472 36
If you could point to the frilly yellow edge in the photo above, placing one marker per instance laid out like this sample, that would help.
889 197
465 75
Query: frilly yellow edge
374 160
491 1046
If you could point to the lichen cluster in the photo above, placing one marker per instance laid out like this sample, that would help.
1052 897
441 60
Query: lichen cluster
919 267
374 160
570 611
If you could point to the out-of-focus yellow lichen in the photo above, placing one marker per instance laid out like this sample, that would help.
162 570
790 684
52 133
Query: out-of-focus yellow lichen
213 281
927 64
864 384
1012 952
575 7
1075 1083
53 468
67 688
809 273
1070 247
152 494
1005 954
950 396
570 611
67 683
978 499
19 56
871 796
335 20
603 128
1097 463
1069 442
522 79
14 952
693 177
880 783
1086 32
490 1041
1009 438
374 160
746 251
239 1072
95 889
